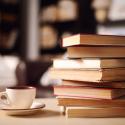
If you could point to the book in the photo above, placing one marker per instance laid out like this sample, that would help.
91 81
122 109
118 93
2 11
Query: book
89 75
80 39
97 51
95 112
87 102
88 92
88 63
100 84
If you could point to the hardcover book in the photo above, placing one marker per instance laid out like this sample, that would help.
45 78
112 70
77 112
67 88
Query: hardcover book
87 102
88 92
90 112
100 84
80 39
88 63
96 52
89 75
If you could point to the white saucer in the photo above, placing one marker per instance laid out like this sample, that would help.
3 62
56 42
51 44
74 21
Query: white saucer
34 109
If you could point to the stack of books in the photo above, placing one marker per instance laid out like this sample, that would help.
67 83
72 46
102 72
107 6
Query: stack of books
93 76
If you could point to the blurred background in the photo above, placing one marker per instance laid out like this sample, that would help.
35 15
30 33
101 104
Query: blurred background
31 32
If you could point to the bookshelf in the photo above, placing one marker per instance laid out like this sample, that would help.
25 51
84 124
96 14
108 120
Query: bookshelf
82 21
9 15
64 22
110 17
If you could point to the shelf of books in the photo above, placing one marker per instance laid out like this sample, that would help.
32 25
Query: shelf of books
8 24
110 16
61 18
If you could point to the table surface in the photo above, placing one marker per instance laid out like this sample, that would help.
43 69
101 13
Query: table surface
51 115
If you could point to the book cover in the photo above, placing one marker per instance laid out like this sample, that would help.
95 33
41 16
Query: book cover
88 63
89 39
89 75
88 92
101 84
90 102
92 112
96 52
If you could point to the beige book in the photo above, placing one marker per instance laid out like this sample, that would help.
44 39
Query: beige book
88 92
90 102
81 39
88 63
96 52
89 75
90 112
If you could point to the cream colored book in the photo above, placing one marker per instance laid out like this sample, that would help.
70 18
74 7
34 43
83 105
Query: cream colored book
88 63
88 75
96 52
92 112
83 39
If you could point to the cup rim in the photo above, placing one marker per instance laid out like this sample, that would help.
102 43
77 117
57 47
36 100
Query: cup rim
20 87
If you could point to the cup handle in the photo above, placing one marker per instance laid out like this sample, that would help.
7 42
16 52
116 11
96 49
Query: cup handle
4 99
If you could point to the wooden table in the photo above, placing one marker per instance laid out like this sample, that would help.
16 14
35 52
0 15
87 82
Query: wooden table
51 115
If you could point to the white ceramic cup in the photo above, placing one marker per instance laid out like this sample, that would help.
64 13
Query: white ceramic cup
20 97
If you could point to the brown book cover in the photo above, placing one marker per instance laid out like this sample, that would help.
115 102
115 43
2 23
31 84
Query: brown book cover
84 39
96 52
100 84
89 75
88 92
92 112
90 102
